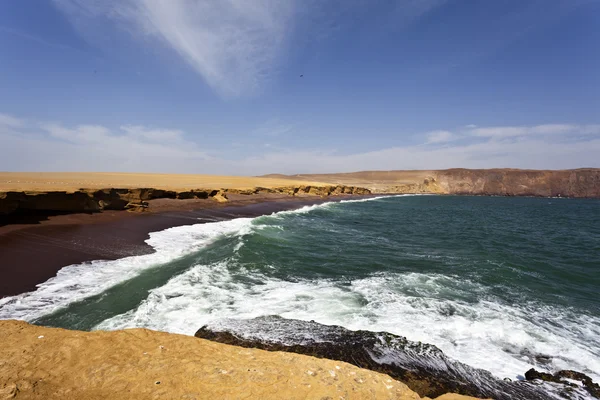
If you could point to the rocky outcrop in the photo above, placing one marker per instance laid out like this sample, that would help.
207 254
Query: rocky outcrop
90 200
137 199
325 190
567 378
49 363
423 367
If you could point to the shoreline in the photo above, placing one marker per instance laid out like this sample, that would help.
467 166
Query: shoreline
33 253
134 227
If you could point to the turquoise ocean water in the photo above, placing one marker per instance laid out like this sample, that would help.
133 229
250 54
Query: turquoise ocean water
503 284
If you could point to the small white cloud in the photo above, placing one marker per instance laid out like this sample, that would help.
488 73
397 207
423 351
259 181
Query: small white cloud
83 134
515 131
153 135
440 137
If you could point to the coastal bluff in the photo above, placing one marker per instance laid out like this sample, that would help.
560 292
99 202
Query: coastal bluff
576 183
93 192
50 363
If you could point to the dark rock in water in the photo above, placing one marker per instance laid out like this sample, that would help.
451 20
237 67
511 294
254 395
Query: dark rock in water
561 377
423 367
532 374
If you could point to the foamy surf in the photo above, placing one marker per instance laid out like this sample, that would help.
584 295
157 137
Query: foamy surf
77 282
332 204
505 333
500 338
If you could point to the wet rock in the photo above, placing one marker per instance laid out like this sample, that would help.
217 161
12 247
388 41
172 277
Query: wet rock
423 367
561 377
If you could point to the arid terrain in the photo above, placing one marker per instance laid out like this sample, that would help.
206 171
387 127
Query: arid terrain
74 181
92 192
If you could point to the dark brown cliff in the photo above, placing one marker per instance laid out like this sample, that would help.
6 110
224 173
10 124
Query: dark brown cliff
583 183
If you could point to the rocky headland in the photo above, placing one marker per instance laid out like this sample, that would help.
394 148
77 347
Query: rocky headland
580 183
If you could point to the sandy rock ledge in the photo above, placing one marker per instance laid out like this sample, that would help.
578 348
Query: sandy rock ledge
48 363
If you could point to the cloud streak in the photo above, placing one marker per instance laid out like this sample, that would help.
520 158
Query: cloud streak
9 121
538 130
235 45
440 137
29 146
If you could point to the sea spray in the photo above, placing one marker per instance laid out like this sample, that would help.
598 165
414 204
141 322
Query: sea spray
497 283
423 367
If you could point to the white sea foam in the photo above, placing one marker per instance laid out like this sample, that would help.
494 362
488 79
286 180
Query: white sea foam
329 204
485 334
77 282
489 334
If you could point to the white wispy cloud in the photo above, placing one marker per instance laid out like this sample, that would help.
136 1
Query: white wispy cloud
10 121
547 129
55 147
129 140
273 127
235 45
29 146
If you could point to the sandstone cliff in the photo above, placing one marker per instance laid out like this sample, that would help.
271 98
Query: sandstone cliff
136 199
71 192
48 363
582 183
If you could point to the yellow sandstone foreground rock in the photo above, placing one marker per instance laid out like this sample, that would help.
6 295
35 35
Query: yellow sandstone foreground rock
48 363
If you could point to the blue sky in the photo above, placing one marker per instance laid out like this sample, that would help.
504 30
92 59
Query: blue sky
215 86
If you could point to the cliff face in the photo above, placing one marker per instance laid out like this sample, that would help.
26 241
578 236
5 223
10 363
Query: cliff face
47 363
584 183
581 183
137 199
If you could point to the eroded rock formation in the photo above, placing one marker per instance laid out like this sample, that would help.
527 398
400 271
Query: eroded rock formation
137 199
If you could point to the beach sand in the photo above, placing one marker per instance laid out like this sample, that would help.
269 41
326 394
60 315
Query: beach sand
36 242
31 253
